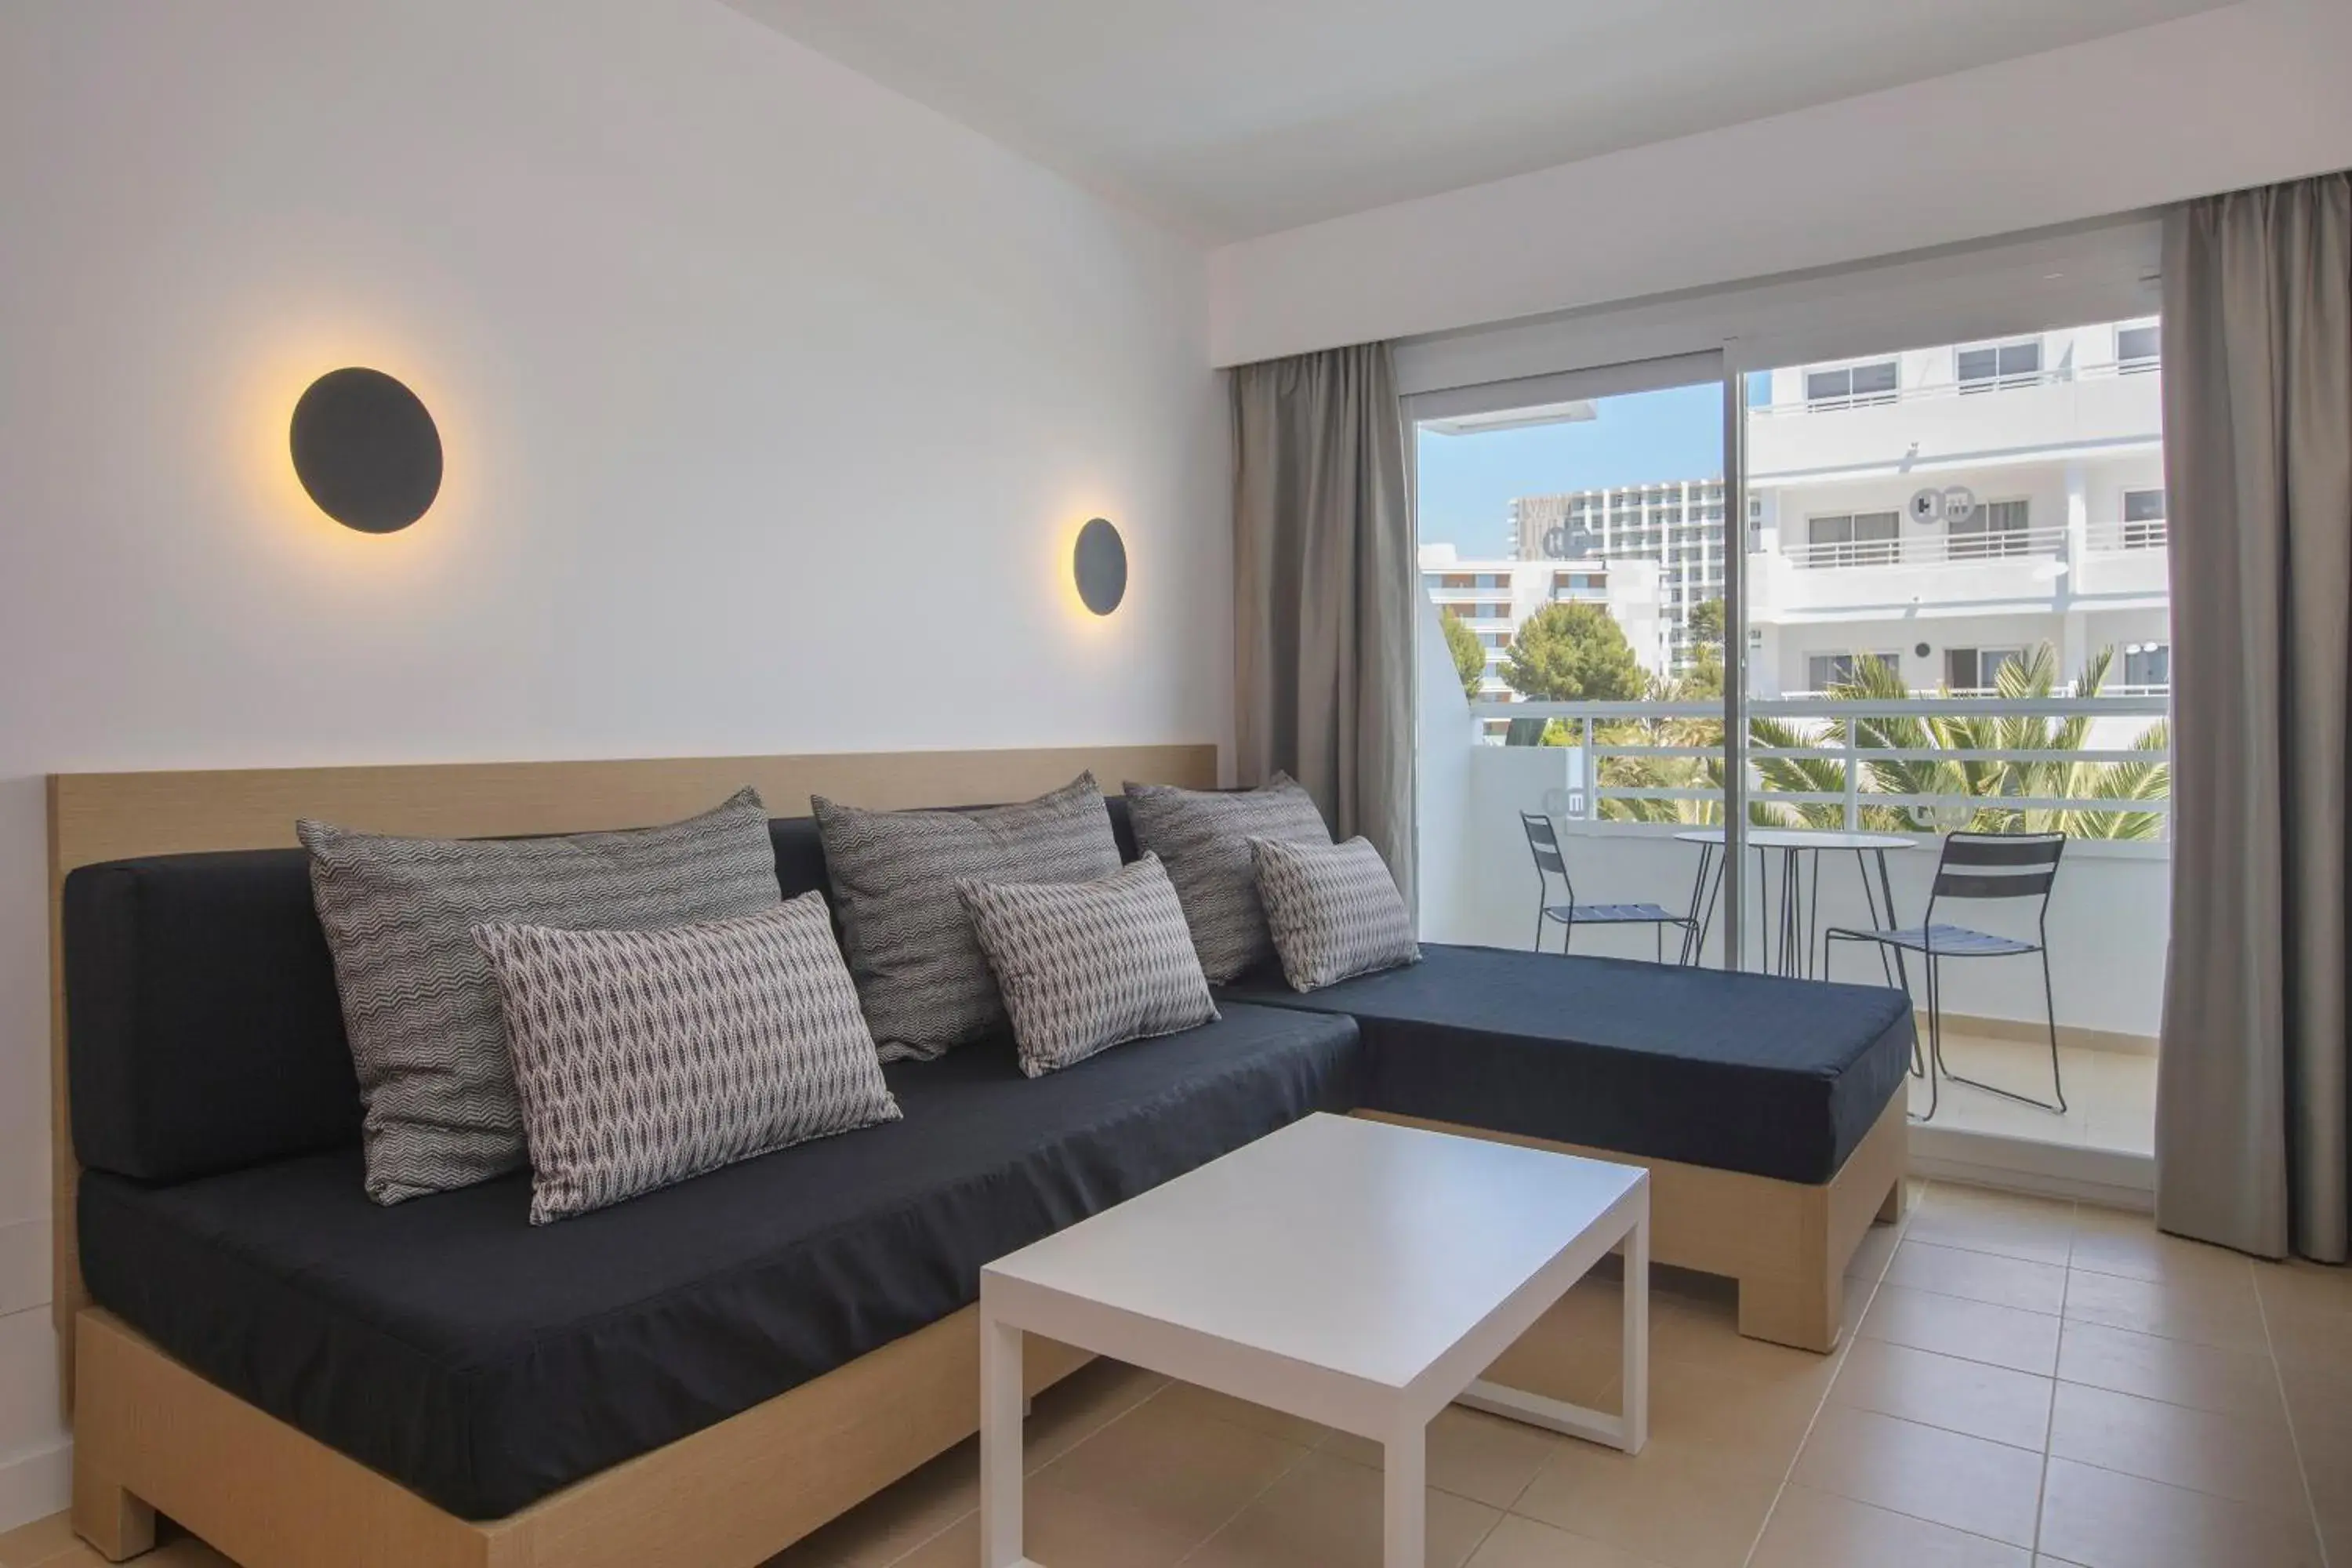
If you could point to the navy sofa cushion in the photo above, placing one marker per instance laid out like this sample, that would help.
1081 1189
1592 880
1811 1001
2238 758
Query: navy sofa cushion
205 1030
484 1361
1742 1072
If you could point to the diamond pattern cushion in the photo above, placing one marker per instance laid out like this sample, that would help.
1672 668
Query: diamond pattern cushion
919 970
643 1058
1203 838
419 1008
1334 911
1085 965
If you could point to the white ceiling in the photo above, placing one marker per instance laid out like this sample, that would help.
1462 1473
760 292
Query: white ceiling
1234 118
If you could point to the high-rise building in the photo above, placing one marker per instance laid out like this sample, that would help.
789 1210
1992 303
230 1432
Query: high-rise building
1677 524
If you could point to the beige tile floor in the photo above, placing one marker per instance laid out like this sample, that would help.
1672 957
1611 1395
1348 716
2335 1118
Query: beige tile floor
2110 1095
2030 1383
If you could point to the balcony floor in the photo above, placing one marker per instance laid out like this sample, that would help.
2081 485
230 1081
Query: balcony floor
2110 1095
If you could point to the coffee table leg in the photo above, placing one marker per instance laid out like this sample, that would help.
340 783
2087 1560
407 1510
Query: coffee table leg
1404 1498
1000 1442
1636 1422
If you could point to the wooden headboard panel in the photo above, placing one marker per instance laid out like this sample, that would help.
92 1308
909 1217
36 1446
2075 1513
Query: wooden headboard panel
96 817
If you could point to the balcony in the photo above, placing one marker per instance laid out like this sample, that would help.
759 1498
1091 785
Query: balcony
2119 564
1632 775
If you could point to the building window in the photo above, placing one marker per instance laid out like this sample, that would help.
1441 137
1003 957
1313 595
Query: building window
1493 612
1458 580
1996 528
1978 668
1495 639
1997 365
2137 349
1854 539
2143 519
2148 665
1825 670
1851 386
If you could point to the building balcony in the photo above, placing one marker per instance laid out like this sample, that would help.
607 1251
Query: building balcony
1926 430
2037 569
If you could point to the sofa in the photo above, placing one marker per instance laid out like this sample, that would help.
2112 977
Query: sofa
743 1355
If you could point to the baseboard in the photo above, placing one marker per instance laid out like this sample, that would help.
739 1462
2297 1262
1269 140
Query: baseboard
2107 1178
2036 1031
35 1483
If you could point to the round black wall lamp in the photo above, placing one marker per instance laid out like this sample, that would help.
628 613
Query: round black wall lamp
1101 564
366 449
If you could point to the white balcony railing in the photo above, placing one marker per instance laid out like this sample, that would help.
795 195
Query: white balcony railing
1935 390
1917 763
1933 548
2141 533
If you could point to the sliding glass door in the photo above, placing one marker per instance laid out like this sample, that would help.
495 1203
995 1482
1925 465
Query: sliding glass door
1579 560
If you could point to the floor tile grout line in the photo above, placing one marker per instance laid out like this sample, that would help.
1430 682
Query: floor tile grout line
2294 1438
1876 1282
2050 1426
1200 1545
1115 1419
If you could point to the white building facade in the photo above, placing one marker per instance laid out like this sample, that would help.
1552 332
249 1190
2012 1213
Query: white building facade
1495 598
1940 510
1944 509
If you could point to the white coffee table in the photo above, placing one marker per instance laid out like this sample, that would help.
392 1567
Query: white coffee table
1355 1273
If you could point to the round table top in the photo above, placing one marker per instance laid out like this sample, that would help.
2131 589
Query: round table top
1803 838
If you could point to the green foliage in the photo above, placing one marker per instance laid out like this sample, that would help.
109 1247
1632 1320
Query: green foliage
1985 780
1706 623
1469 653
1573 653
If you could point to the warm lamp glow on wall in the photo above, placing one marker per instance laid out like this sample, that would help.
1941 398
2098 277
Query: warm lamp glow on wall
366 450
1099 565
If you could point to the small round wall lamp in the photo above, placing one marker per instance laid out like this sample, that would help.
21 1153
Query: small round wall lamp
366 450
1099 563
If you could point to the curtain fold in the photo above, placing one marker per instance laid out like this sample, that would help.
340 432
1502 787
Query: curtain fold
2251 1106
1323 590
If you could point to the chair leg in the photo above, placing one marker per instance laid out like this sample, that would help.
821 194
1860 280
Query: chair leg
1935 1038
2050 1008
1540 920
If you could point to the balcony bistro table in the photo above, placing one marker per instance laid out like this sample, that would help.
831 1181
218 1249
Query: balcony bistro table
1800 906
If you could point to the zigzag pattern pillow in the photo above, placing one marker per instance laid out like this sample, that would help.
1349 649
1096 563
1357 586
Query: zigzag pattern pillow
1087 965
1334 910
910 946
1204 835
419 1009
643 1058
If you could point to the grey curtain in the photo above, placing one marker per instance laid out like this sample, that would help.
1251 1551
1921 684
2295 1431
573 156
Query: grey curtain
2252 1089
1323 590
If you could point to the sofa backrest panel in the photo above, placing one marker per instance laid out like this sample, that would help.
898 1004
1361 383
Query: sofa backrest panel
204 1029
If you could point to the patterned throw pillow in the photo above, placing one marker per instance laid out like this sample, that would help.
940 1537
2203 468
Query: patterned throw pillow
643 1058
1085 965
1334 911
1204 835
419 1009
910 946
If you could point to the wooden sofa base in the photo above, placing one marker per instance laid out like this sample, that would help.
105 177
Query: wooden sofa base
151 1435
1787 1244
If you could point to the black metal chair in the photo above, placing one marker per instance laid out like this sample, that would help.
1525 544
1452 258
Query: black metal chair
1543 842
1979 866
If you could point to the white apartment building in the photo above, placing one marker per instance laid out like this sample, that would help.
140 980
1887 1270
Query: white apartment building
1677 525
1942 509
1495 598
1937 509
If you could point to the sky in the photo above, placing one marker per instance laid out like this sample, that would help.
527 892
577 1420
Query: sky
1468 482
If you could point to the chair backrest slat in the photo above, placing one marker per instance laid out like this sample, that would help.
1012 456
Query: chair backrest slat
1543 843
1999 865
1963 885
2003 849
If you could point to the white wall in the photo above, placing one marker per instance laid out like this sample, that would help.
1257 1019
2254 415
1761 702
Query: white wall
771 403
2226 99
